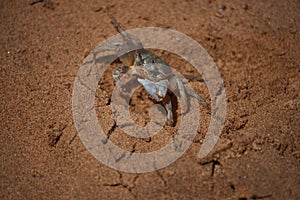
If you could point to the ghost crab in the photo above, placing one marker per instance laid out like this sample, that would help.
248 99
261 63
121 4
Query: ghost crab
153 73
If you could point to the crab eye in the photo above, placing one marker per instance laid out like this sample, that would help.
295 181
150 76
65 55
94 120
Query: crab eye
139 59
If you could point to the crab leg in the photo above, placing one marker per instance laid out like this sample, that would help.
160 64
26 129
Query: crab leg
181 89
127 37
197 96
193 77
168 107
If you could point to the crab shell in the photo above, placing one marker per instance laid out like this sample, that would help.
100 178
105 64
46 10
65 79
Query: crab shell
149 66
153 73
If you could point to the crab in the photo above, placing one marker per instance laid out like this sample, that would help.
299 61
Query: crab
154 74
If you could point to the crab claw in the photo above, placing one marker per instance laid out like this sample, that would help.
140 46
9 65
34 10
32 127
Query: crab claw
116 74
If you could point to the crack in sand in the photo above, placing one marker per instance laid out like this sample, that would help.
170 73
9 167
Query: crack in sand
124 185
